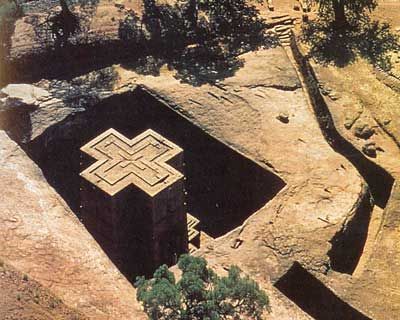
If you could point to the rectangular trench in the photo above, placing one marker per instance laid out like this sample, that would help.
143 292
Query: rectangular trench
223 188
313 297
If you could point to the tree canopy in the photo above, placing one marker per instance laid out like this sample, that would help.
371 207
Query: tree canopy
200 293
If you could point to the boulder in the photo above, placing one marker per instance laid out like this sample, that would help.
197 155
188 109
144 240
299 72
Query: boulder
363 131
18 95
370 149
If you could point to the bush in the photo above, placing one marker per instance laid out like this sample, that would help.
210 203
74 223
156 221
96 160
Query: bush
200 293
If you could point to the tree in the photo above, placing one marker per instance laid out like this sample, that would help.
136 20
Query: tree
200 293
339 8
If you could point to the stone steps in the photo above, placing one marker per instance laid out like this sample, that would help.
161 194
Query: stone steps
281 26
284 32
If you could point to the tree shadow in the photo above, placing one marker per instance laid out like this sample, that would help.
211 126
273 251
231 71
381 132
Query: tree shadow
201 41
202 46
63 25
363 38
196 64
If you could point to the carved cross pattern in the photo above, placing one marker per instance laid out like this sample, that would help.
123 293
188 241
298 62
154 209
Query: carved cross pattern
141 161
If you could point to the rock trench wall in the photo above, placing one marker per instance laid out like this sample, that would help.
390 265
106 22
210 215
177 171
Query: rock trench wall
344 257
223 187
314 297
379 180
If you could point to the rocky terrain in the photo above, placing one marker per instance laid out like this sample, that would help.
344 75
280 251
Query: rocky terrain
23 298
324 247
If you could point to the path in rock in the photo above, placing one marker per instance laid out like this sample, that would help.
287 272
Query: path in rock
378 261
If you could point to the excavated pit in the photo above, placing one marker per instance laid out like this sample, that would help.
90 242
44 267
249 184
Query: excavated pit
313 297
223 187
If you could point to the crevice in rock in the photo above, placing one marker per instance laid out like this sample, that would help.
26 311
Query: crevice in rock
313 297
387 131
277 87
388 79
17 123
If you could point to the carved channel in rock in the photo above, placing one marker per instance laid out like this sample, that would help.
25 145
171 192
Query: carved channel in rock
313 297
379 180
223 188
348 244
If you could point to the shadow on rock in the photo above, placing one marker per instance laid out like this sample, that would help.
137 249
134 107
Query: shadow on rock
200 40
362 37
202 44
63 23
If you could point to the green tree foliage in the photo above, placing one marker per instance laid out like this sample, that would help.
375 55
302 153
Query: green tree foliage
200 294
196 20
235 22
339 9
229 16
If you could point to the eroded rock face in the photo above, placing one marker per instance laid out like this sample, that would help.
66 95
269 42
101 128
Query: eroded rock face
363 131
380 274
16 95
39 106
24 298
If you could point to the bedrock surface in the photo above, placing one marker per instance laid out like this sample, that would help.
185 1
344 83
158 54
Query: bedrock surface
321 197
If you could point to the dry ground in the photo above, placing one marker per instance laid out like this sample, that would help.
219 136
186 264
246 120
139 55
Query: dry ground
24 299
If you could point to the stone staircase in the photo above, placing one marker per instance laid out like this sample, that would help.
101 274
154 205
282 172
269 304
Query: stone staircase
282 24
282 27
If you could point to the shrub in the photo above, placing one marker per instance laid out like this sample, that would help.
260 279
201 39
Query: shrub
200 293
